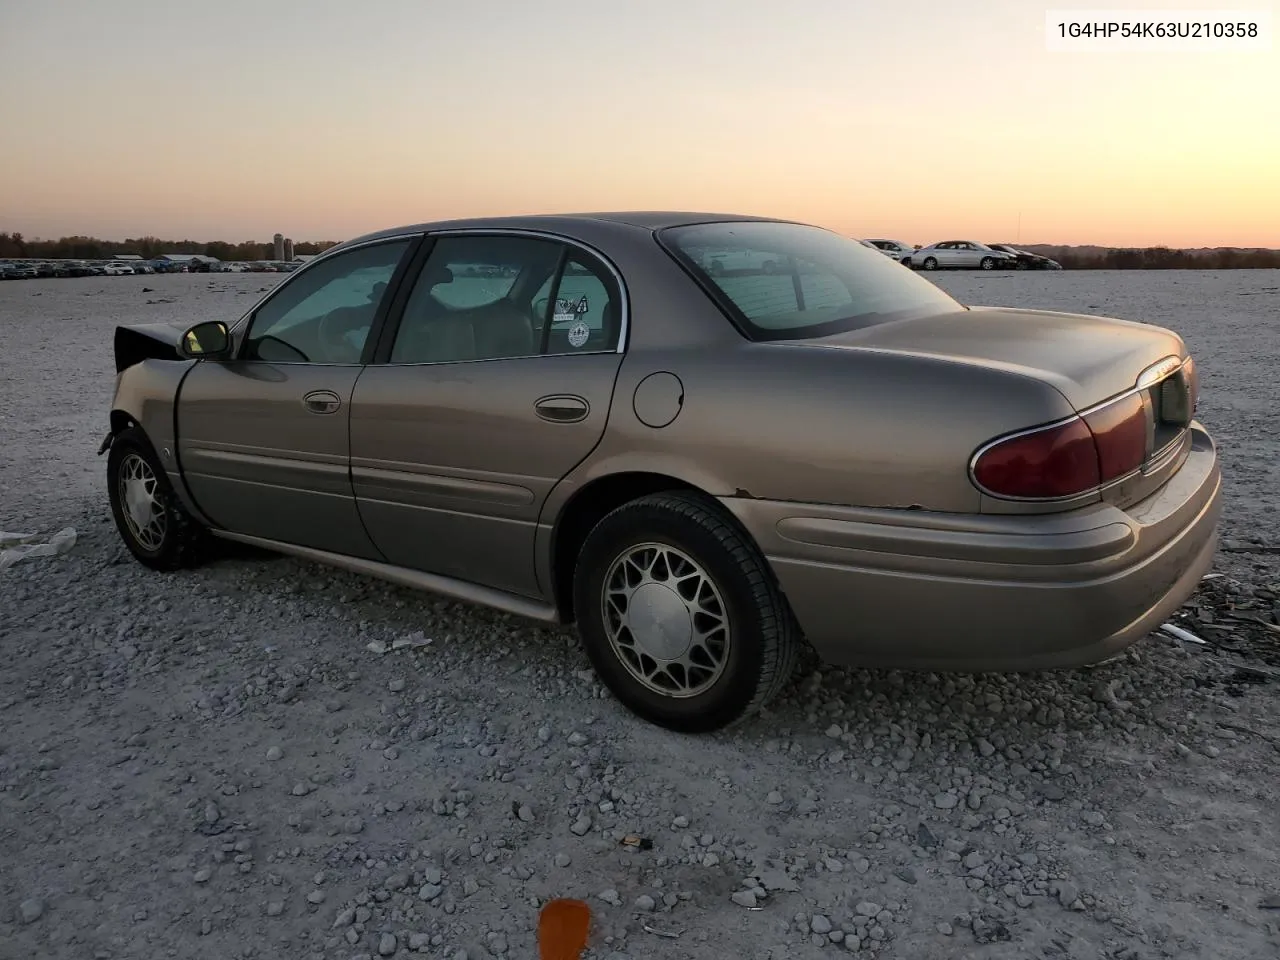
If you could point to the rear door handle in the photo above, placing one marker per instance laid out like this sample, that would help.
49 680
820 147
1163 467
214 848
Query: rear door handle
562 409
322 401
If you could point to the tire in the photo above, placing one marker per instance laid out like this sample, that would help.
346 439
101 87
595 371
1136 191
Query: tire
930 263
754 639
171 539
987 263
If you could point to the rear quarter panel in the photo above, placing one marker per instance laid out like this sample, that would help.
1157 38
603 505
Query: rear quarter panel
818 425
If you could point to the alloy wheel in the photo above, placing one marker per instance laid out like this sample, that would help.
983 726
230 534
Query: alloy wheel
666 620
143 511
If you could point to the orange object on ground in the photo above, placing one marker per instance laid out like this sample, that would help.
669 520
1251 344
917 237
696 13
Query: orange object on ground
563 926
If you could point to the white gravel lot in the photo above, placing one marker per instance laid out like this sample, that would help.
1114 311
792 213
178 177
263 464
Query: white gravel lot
213 764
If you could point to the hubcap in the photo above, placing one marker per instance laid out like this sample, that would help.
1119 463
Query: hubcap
143 512
666 620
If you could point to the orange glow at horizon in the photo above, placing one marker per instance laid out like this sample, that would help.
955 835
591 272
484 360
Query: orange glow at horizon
324 121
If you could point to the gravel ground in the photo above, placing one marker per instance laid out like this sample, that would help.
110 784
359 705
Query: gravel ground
215 764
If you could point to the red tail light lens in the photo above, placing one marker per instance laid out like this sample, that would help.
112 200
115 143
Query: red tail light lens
1067 458
1120 432
1057 461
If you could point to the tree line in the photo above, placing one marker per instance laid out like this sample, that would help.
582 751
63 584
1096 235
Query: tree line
91 248
1167 258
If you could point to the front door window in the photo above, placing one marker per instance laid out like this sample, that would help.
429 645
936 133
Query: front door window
324 315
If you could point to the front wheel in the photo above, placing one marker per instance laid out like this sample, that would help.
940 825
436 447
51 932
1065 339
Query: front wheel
152 522
680 615
930 263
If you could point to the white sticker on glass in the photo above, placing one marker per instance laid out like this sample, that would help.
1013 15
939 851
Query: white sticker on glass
578 334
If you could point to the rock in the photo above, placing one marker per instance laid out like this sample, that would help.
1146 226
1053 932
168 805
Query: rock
202 875
610 896
396 685
945 929
275 908
29 911
645 902
744 898
774 798
525 813
581 826
316 897
868 909
274 753
820 924
945 801
387 942
430 891
925 837
211 813
562 860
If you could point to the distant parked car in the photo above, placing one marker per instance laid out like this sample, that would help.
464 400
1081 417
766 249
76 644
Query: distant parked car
117 268
7 271
699 471
960 255
22 271
895 249
78 268
1026 259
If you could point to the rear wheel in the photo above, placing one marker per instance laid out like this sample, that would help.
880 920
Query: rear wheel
930 263
988 263
680 615
152 522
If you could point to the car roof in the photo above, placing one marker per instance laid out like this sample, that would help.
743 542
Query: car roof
651 220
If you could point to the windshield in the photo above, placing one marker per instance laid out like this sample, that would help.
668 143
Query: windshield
786 281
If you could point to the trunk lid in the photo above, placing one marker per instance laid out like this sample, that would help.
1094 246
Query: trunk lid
1088 359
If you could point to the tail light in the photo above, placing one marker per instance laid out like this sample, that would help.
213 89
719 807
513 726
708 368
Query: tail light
1091 449
1067 458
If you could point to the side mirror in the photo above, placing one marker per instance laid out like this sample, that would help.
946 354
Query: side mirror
210 340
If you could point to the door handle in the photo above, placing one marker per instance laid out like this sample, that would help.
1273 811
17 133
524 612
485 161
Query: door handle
322 401
562 409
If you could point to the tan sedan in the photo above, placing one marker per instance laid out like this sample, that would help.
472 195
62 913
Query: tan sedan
573 418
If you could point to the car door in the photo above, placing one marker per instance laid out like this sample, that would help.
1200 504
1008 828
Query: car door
967 255
493 385
263 438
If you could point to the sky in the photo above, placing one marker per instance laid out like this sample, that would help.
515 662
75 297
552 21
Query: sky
920 121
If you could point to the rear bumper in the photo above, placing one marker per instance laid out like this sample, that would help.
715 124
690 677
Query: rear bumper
921 590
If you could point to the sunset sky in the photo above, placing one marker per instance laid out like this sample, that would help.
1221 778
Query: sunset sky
917 120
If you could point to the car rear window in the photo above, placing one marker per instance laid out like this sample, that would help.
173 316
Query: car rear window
787 281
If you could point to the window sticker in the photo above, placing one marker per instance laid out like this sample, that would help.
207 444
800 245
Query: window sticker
578 334
565 311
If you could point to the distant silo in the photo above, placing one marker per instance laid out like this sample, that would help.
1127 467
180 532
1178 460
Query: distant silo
278 240
288 250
